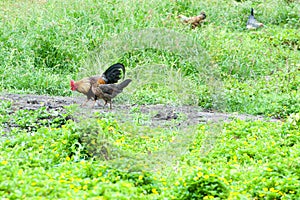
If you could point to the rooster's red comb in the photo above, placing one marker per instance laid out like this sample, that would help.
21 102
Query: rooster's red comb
72 84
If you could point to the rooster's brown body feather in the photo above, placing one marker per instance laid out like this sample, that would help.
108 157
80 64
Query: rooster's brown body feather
84 86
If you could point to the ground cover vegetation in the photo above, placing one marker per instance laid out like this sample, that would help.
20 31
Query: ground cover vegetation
219 66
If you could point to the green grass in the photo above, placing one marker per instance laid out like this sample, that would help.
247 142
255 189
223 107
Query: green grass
48 43
219 66
102 158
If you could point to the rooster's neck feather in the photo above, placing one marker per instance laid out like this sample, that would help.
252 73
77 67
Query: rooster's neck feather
83 86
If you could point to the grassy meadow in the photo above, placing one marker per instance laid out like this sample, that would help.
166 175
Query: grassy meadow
220 66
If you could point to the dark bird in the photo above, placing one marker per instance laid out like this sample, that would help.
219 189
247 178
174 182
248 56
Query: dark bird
109 91
110 76
252 23
193 21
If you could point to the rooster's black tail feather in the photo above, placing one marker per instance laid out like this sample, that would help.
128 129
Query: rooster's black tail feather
113 73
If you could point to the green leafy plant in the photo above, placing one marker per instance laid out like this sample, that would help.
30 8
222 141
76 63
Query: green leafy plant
202 185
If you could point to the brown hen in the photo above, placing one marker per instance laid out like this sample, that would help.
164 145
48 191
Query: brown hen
193 21
109 91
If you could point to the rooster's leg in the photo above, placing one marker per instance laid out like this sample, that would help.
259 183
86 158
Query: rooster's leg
83 104
94 104
104 103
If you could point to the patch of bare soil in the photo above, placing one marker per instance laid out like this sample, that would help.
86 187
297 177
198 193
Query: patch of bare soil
159 114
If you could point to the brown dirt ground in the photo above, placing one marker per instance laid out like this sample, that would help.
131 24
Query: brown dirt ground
158 115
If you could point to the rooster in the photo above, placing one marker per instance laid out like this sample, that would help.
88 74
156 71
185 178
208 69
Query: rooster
110 76
194 21
108 91
252 23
